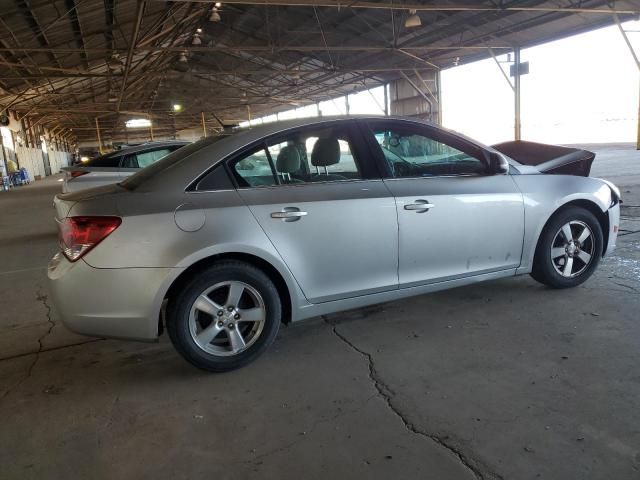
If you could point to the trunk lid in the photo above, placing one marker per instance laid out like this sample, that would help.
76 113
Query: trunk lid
551 159
99 198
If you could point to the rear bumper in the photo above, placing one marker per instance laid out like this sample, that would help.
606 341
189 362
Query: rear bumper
108 302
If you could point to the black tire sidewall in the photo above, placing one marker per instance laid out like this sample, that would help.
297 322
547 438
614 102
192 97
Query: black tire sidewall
543 269
178 315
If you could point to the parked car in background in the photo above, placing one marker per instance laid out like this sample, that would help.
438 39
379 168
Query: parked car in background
116 166
235 235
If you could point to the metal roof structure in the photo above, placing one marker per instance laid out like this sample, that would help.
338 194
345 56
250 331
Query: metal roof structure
66 63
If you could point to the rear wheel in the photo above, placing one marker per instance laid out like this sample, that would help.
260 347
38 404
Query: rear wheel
225 317
569 249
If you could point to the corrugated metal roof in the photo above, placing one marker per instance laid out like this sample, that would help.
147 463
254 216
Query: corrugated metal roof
67 62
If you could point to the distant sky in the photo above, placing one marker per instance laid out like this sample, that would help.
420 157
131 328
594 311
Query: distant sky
580 89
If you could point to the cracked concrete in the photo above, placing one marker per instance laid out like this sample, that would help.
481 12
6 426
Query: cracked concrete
499 380
387 394
36 355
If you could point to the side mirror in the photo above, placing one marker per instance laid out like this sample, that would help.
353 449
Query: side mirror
499 164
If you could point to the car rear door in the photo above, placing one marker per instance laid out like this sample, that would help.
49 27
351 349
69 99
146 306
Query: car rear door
456 217
325 208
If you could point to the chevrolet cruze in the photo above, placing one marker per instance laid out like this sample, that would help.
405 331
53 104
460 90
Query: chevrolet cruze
225 239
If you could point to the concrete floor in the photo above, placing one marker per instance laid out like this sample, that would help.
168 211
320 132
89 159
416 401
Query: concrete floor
502 380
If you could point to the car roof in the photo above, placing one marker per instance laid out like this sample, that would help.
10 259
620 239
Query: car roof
180 168
150 145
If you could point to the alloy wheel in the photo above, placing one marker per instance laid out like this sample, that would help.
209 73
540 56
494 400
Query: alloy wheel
227 318
572 249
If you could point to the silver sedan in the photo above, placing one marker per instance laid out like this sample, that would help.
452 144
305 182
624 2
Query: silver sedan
225 239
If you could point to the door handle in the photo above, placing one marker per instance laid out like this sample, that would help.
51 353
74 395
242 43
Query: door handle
419 206
289 214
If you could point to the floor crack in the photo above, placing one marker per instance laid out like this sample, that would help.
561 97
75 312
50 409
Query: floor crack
42 298
386 393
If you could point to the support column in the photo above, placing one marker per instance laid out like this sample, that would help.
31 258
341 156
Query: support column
150 127
99 139
516 91
439 96
637 60
204 125
386 99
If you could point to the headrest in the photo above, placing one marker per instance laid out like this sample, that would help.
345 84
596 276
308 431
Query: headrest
326 151
288 160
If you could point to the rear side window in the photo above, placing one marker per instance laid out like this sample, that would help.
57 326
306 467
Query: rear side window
254 169
308 155
216 179
109 160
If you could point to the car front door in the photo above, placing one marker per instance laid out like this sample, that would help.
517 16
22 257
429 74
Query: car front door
457 217
325 208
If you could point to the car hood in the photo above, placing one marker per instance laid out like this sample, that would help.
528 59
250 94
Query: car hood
551 159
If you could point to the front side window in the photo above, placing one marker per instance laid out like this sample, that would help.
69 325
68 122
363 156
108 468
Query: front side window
410 152
144 159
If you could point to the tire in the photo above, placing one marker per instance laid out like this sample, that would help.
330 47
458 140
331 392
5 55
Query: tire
572 267
234 303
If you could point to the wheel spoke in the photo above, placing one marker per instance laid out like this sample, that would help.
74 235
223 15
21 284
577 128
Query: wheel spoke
566 231
584 256
568 267
208 334
251 315
206 305
558 252
586 233
235 292
236 340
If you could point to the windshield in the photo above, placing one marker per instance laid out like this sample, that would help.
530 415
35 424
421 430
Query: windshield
134 181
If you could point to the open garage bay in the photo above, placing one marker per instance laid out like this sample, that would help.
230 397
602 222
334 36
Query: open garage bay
506 379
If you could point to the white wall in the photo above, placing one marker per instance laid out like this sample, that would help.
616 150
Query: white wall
31 159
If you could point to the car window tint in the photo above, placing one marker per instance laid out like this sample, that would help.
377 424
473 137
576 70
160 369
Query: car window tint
310 156
216 179
412 154
109 160
254 169
130 162
144 159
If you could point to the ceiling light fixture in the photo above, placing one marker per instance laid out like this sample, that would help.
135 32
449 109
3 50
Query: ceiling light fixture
413 20
182 58
196 40
215 16
138 123
218 4
177 107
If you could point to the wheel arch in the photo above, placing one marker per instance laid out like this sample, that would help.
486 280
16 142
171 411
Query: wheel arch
270 270
589 205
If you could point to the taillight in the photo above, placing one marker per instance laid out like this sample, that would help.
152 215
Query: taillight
78 235
77 173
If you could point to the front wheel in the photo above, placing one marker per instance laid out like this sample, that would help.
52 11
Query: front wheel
225 317
569 249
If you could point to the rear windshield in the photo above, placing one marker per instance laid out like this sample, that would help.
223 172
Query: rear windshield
134 181
109 160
